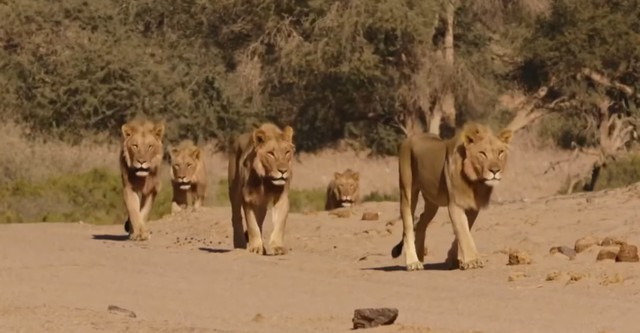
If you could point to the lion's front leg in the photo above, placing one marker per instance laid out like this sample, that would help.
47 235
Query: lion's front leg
467 254
132 203
148 201
198 196
179 200
279 214
254 218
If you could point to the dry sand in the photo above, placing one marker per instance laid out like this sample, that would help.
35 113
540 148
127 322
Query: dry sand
62 277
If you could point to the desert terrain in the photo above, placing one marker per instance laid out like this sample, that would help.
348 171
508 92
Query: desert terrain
62 277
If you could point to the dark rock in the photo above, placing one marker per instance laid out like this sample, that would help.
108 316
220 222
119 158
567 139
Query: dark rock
628 253
373 317
370 216
118 310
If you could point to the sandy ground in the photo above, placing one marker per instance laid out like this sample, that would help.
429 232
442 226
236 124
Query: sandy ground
62 277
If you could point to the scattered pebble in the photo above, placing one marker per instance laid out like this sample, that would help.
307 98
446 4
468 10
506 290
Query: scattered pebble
519 257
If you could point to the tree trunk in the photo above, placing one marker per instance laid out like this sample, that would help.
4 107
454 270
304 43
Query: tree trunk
447 102
434 118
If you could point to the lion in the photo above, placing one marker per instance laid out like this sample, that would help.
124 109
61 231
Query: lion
459 173
260 172
140 160
343 190
188 176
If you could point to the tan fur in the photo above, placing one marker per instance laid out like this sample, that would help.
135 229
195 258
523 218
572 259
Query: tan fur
260 169
458 173
140 160
188 176
343 190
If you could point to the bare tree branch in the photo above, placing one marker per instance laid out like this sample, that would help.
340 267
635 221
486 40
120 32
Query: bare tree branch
607 82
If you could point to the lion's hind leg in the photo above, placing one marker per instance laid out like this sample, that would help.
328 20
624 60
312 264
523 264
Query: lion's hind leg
426 217
408 202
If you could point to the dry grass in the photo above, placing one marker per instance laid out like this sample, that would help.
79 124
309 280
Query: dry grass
38 160
47 180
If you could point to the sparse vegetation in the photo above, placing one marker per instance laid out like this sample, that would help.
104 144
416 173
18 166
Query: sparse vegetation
93 197
619 173
364 72
376 196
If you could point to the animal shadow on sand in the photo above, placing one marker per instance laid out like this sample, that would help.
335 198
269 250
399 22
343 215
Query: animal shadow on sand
114 238
440 266
212 250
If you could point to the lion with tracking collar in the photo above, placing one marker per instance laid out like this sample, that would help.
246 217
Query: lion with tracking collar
459 173
188 176
260 170
140 160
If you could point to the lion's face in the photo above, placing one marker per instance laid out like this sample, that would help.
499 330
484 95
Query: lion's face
485 154
142 145
274 153
185 159
347 187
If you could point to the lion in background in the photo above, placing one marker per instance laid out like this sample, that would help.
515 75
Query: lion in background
343 190
459 173
260 171
188 176
140 160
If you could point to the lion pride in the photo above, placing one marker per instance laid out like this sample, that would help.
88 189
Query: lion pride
140 160
343 190
260 173
188 176
459 173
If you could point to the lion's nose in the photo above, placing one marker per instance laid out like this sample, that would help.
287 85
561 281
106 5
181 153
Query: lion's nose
494 169
282 171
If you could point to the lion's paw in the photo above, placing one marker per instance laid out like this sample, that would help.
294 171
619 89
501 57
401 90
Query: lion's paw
415 266
140 236
278 250
472 264
257 249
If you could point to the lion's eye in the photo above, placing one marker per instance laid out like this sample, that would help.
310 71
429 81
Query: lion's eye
189 165
149 148
483 154
272 154
134 146
501 154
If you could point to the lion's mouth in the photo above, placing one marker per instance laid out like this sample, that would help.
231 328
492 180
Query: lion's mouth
492 181
346 202
185 185
280 181
141 171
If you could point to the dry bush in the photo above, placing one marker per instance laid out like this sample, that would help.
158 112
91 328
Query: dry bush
36 160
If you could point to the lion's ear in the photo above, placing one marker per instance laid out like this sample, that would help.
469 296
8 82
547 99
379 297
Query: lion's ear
288 134
471 134
127 131
158 129
173 151
337 175
355 175
196 153
505 136
259 136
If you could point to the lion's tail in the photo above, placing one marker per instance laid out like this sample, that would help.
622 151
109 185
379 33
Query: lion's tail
397 250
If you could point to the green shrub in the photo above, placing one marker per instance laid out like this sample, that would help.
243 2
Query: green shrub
620 173
376 196
94 197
